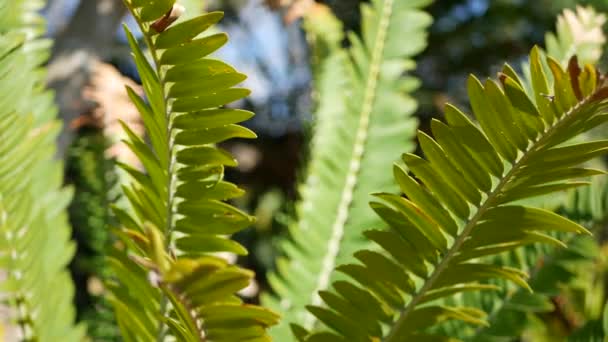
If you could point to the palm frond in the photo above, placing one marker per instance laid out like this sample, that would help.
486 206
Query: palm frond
35 235
168 277
364 113
463 203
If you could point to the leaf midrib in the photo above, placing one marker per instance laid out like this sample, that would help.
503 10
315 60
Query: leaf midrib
395 329
170 169
333 247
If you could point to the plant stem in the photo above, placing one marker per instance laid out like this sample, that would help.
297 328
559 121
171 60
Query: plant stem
171 166
333 246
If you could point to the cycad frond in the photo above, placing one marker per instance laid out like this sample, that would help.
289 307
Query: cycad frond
364 113
507 315
464 203
168 279
35 245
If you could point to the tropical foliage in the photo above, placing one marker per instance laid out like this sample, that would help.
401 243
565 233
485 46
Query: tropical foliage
169 279
94 182
550 267
363 116
34 240
465 239
460 206
567 283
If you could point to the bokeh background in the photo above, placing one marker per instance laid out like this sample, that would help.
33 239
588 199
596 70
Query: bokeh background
90 63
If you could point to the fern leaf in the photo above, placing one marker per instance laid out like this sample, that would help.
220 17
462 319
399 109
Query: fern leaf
35 235
513 146
169 280
93 177
363 113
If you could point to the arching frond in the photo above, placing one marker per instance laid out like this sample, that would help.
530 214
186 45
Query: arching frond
463 203
169 280
364 114
35 245
549 266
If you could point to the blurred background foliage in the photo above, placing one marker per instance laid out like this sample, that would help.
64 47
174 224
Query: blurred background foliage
270 43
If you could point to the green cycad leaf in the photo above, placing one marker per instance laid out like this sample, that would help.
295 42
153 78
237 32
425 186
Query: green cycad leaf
168 279
490 222
363 114
35 246
507 319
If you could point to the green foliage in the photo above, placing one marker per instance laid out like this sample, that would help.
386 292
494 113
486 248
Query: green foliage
555 273
325 35
552 270
364 114
588 204
94 180
192 8
558 268
472 182
169 279
550 267
35 246
465 245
